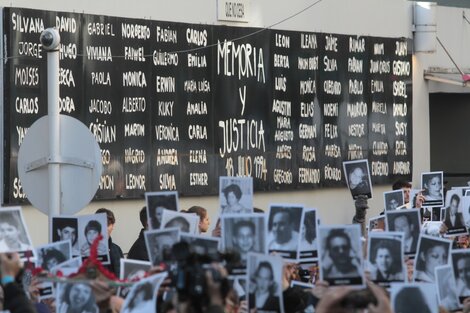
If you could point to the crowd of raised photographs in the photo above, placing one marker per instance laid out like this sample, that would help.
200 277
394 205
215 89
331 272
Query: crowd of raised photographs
281 260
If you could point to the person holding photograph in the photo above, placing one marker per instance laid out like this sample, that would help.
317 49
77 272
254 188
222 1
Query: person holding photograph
51 257
453 218
244 232
233 194
138 251
12 237
264 297
432 185
431 254
92 231
77 298
386 262
283 235
141 299
115 252
339 260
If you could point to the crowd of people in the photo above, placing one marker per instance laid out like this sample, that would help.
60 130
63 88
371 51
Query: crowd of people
185 283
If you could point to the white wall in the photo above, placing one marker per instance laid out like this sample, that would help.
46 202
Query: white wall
385 18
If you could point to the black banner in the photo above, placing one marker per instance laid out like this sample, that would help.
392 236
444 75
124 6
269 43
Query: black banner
174 106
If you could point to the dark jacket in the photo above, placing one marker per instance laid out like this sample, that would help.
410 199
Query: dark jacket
115 255
16 300
138 250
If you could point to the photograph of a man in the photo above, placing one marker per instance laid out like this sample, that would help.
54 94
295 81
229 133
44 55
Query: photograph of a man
244 233
408 222
284 223
341 255
65 228
158 201
453 215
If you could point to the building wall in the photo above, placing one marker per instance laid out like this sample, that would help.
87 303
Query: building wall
383 18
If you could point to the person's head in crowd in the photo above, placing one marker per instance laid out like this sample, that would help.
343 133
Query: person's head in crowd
309 231
402 223
204 221
410 299
110 218
264 279
356 177
79 298
232 194
431 254
244 232
10 231
433 185
338 245
405 186
92 231
180 222
143 217
463 270
282 226
454 204
51 258
385 257
141 294
66 229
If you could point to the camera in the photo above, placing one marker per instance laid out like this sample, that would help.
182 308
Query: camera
50 39
189 276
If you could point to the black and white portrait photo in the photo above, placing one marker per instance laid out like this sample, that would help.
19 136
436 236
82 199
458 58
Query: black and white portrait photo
340 255
202 245
433 188
466 211
243 233
75 297
414 297
394 200
235 195
447 288
143 295
13 232
461 268
265 283
68 267
358 178
50 255
185 222
377 223
66 228
132 270
406 221
160 243
454 219
386 258
308 249
432 252
89 228
284 221
158 201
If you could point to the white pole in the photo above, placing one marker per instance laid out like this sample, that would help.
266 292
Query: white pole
50 41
